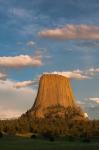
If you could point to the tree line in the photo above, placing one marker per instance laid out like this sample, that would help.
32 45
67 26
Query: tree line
72 123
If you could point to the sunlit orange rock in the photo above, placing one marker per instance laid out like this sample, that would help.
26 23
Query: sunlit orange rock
54 90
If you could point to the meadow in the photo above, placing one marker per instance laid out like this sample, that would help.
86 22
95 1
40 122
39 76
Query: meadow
25 143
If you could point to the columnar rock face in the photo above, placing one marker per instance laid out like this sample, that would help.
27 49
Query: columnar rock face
54 90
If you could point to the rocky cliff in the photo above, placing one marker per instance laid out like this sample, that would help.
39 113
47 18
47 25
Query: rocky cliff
54 90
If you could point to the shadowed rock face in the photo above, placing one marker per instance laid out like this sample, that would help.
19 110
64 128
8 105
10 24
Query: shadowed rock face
54 90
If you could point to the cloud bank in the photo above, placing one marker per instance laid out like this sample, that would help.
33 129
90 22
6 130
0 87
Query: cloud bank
25 83
72 32
20 61
3 76
95 99
9 113
13 101
76 74
94 70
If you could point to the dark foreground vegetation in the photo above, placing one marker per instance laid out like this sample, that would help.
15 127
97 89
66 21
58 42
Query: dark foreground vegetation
72 127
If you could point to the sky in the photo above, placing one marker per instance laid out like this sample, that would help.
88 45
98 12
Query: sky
54 36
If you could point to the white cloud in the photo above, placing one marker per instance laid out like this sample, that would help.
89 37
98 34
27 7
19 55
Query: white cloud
20 61
78 71
3 76
10 85
90 73
93 70
95 99
25 83
14 102
76 74
72 32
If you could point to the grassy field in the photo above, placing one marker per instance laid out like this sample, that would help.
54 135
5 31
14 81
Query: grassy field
20 143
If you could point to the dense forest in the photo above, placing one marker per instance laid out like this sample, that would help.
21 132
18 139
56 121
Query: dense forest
53 123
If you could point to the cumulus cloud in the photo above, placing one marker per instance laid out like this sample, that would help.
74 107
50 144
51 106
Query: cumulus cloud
72 32
20 61
76 74
25 83
95 99
10 84
3 76
90 73
93 70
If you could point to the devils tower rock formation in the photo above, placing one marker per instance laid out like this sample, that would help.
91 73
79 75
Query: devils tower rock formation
54 91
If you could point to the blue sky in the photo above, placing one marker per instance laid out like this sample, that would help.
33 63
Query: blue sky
48 36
